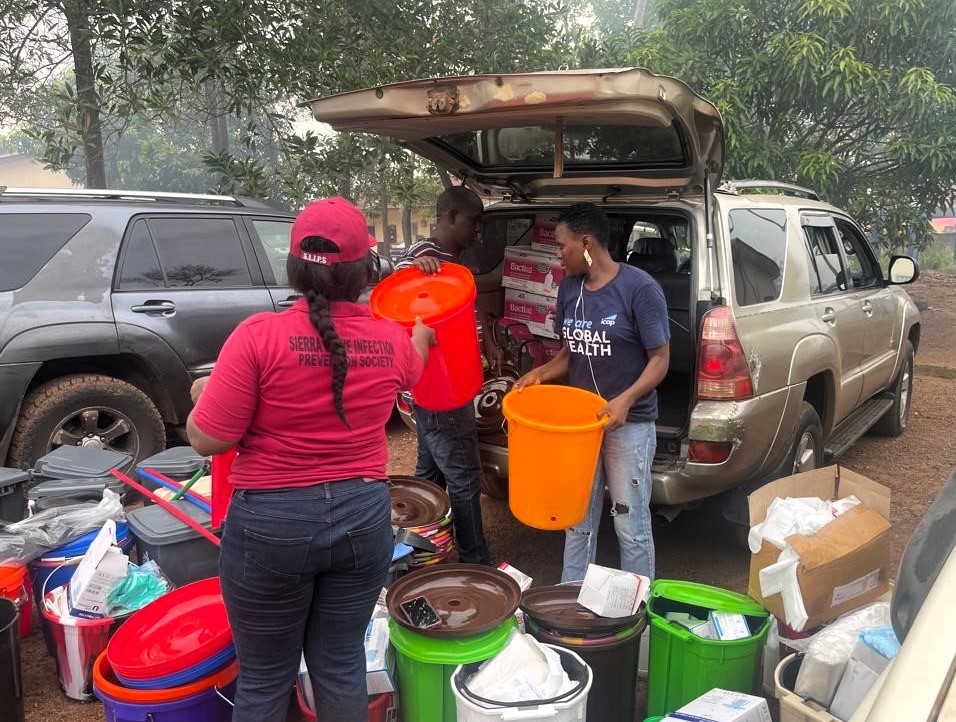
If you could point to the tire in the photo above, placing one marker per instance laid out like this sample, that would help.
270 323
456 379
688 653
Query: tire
893 422
86 410
806 448
805 454
495 487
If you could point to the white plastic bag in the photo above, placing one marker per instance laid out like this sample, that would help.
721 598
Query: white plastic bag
828 651
523 671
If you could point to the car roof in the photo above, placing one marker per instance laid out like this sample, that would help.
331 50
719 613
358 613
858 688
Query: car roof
135 201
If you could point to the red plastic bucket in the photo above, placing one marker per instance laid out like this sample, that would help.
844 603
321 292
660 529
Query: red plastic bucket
15 586
78 642
446 302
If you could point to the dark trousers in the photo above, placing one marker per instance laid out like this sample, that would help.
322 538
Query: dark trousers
301 570
448 455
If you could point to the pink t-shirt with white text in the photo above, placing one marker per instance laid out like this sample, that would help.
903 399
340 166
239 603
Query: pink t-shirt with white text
271 392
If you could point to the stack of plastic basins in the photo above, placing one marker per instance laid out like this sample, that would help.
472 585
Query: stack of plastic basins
613 657
426 664
56 567
173 660
682 666
181 552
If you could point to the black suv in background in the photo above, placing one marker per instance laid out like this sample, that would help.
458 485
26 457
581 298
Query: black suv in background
112 302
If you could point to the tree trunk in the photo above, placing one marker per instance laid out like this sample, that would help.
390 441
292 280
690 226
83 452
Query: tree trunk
407 231
640 13
218 123
383 210
78 21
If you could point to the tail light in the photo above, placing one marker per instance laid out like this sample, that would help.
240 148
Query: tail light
723 373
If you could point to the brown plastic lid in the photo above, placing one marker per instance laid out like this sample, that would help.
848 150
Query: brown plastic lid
416 502
469 598
556 608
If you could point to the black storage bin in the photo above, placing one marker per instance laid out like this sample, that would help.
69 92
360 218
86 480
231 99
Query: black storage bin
12 505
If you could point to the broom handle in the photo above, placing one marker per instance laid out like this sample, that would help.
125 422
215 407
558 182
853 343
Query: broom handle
178 513
172 485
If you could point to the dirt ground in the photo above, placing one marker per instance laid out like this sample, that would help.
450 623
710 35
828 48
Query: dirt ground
697 545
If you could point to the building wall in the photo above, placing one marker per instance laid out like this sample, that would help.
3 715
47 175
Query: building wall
24 172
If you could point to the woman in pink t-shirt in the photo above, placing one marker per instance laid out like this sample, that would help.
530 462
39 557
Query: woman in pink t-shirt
304 397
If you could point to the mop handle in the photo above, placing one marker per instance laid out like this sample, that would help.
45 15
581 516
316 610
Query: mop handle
171 508
189 483
172 485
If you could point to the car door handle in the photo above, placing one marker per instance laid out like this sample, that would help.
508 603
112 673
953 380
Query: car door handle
288 302
829 316
164 308
868 307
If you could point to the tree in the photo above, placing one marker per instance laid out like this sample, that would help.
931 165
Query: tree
854 99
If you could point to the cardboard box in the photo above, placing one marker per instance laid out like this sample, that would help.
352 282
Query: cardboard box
536 312
612 592
379 658
524 581
531 271
844 565
101 568
721 705
542 238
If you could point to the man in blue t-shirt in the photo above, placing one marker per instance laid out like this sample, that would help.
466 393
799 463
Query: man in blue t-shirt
612 319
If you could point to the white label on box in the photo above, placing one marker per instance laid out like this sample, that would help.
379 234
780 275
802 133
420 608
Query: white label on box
729 626
524 581
720 705
101 567
864 584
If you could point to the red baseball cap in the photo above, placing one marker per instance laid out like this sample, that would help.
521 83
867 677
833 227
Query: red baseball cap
336 220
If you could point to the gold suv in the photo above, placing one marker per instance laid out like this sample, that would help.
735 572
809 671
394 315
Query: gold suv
788 341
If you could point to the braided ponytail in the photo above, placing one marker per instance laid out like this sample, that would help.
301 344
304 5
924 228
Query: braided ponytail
322 320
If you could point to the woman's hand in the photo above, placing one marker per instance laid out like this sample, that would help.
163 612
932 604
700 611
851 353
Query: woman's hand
616 410
196 389
428 265
424 334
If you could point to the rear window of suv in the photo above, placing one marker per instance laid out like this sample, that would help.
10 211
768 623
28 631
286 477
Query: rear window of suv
29 240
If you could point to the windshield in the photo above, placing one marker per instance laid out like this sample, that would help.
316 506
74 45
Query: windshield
604 146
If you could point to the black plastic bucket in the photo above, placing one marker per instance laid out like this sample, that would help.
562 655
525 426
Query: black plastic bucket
11 680
614 664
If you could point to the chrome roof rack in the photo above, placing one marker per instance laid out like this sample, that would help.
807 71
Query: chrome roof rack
787 189
110 194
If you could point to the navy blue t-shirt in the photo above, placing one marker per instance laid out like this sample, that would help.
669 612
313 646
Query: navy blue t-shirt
608 332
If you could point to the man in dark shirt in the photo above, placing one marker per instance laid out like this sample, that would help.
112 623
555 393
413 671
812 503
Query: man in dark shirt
447 440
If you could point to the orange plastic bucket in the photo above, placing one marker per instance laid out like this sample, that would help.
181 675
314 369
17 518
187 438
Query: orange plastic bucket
446 302
15 586
554 438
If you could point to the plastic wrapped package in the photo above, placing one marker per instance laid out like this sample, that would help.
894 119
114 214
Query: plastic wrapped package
142 585
33 537
828 651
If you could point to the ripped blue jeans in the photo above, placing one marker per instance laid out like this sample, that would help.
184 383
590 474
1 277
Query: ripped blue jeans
624 466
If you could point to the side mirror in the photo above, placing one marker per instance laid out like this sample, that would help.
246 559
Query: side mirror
903 269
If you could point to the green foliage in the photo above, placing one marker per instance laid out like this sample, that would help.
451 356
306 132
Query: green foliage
854 98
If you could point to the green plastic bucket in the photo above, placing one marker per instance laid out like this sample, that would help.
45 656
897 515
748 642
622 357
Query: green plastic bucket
682 666
426 664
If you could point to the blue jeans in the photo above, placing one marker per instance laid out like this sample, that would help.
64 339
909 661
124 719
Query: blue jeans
448 455
301 570
625 467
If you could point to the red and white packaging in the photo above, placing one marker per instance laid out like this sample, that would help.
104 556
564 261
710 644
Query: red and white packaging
531 271
542 238
531 309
